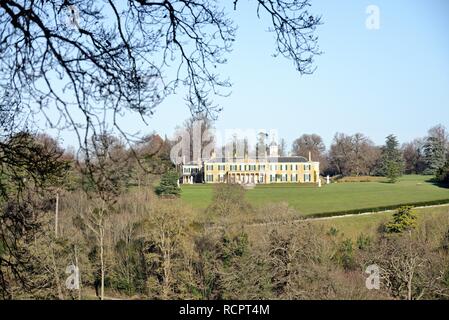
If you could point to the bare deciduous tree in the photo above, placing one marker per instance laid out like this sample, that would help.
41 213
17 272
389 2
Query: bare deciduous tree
413 154
353 154
95 220
168 247
100 59
312 143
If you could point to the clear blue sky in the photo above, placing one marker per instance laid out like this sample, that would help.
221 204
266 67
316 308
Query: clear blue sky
391 80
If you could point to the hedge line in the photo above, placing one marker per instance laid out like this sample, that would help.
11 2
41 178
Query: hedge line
375 209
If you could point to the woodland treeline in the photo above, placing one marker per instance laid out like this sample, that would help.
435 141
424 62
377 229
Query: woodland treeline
84 67
358 155
107 219
348 154
161 249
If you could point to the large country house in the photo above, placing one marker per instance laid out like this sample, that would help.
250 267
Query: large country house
265 170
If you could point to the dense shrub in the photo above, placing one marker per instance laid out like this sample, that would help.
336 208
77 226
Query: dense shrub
443 174
361 179
169 185
228 201
345 255
404 219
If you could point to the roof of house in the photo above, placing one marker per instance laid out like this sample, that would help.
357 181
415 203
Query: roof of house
290 159
192 163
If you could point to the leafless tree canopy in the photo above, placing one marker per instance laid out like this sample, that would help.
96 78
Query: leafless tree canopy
83 64
312 143
104 58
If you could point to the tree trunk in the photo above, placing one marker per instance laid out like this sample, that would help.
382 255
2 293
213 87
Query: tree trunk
57 214
56 275
165 246
409 286
102 263
412 266
167 276
79 274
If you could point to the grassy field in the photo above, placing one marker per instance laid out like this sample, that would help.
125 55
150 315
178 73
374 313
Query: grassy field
330 198
352 226
368 225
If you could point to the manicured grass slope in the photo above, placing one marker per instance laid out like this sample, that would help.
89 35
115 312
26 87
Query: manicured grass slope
334 197
352 226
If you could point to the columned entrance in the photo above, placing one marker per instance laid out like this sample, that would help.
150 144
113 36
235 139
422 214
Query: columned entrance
244 178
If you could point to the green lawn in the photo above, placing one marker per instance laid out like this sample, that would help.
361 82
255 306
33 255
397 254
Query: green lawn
330 198
352 226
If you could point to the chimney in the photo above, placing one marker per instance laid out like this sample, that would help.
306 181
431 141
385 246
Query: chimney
310 156
274 151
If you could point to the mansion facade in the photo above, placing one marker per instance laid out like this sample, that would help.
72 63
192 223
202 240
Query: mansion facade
266 170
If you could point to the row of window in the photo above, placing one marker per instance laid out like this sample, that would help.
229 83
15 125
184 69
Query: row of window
254 167
293 178
243 178
243 167
283 178
273 178
210 178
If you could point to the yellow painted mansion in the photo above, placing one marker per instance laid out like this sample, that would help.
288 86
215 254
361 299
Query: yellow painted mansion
270 169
